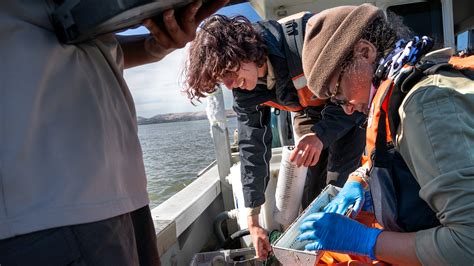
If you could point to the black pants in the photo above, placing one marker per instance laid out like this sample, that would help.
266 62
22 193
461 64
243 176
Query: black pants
128 239
315 180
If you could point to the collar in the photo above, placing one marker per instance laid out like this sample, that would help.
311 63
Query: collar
270 77
404 53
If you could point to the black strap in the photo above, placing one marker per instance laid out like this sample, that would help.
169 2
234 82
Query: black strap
380 156
294 31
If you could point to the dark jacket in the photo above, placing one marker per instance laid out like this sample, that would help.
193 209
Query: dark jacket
255 135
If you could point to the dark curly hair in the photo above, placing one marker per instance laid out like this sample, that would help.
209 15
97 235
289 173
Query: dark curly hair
383 33
219 48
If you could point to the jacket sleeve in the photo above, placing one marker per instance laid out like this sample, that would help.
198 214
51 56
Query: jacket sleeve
255 139
335 123
303 123
436 139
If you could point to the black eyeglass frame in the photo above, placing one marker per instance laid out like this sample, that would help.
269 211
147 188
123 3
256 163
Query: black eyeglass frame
346 63
336 91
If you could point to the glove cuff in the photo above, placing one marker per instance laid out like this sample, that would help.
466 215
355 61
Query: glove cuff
372 236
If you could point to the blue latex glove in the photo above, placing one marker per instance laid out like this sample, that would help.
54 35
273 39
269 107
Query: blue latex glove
335 232
352 193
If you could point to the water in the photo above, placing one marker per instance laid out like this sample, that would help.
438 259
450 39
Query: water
174 153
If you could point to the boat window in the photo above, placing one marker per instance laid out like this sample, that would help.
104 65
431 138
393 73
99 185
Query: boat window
463 16
424 18
465 41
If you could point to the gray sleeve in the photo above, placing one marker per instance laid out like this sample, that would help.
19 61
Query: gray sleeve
436 139
303 123
255 139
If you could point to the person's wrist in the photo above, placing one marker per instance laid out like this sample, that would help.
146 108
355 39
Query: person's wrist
153 49
253 211
252 221
361 175
357 179
318 140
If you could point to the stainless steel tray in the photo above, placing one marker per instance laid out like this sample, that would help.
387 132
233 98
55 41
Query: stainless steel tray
243 257
287 249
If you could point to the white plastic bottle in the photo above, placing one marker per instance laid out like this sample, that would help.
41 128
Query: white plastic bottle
289 189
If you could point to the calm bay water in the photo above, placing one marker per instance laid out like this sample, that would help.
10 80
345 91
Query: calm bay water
174 153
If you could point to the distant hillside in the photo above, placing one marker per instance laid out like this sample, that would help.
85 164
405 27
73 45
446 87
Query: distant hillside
168 118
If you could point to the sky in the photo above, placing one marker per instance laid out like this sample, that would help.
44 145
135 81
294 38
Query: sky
155 87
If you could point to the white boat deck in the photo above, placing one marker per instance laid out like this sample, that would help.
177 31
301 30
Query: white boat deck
184 222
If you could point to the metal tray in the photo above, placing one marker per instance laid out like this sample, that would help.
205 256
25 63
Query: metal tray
244 257
287 249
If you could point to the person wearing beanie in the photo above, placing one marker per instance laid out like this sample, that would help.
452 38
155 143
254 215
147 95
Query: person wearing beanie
254 61
420 136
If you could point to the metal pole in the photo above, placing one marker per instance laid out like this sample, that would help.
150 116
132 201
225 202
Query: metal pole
220 135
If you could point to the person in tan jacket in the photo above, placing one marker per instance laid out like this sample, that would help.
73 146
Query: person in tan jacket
420 137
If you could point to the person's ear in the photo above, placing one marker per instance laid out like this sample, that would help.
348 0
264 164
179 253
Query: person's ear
365 50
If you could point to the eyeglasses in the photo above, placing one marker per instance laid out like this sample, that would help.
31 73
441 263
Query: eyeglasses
339 101
335 92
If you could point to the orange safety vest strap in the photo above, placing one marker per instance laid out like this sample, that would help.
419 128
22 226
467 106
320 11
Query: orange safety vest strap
299 81
305 96
380 100
462 62
283 107
365 159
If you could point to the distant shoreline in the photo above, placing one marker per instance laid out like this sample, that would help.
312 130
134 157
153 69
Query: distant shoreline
178 117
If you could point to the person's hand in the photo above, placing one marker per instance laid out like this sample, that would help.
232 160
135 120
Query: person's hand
334 232
307 150
352 193
175 32
172 34
259 237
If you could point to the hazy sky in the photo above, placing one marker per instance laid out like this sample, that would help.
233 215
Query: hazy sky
155 87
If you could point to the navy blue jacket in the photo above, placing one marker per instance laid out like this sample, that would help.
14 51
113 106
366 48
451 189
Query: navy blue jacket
255 135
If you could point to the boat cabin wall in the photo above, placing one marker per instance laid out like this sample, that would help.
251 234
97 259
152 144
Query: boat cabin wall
440 19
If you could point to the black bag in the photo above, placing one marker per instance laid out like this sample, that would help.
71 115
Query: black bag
395 191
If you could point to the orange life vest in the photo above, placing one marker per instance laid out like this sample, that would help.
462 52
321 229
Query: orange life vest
394 187
293 34
461 63
380 102
382 99
305 97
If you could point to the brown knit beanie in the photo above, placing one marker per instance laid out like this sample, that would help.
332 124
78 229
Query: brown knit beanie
330 36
